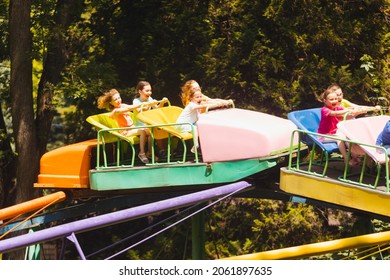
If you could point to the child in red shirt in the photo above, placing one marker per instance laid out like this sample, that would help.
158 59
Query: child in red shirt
331 114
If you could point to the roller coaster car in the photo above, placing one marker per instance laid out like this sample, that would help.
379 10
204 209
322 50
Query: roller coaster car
307 122
364 132
234 143
363 185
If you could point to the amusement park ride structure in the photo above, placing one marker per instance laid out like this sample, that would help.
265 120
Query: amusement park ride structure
235 145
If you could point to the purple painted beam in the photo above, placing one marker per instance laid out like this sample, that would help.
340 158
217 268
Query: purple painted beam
118 217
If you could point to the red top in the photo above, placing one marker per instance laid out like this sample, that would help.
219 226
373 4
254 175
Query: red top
328 124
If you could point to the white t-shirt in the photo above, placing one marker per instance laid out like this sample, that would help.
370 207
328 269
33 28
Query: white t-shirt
137 101
190 114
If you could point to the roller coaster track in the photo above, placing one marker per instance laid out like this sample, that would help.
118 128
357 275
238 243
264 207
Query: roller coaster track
356 248
69 230
373 244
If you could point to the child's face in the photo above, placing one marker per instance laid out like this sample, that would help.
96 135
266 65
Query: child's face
339 94
197 97
116 100
331 100
146 91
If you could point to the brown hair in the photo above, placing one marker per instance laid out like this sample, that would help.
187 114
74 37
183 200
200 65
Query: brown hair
140 86
325 94
104 101
330 89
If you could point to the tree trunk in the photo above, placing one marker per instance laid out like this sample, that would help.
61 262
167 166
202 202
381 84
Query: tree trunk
54 64
22 98
24 130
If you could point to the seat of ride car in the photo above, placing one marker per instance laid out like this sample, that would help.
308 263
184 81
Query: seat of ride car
104 121
165 118
366 130
309 120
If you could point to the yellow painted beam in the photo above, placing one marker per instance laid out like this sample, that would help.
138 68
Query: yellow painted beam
334 191
320 248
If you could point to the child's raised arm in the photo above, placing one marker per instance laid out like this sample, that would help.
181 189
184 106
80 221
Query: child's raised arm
124 109
215 104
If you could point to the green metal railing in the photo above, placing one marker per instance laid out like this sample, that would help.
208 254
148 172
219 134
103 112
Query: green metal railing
306 164
102 148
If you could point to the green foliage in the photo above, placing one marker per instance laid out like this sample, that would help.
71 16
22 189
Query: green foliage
86 76
244 226
4 50
273 56
6 132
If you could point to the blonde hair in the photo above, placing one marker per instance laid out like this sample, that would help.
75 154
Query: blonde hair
333 87
104 101
186 91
